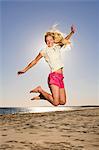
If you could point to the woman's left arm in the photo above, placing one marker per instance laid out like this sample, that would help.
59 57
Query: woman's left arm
73 30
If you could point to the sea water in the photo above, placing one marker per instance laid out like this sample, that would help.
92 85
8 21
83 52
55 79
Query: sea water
14 110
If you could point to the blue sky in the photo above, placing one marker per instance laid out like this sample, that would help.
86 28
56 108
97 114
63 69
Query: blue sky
23 25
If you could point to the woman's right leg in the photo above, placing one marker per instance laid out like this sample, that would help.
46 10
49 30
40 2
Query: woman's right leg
52 98
55 94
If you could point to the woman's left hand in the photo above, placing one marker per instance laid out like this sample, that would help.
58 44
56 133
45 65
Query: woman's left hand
73 29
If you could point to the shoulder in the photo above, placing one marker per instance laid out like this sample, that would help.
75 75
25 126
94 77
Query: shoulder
43 51
57 46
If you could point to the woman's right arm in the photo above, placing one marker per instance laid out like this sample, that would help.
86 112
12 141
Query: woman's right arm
31 64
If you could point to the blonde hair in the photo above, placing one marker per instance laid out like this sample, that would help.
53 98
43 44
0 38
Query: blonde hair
58 38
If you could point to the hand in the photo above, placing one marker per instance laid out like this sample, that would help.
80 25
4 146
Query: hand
20 72
73 29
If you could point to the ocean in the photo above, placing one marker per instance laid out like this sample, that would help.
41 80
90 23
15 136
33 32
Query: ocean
15 110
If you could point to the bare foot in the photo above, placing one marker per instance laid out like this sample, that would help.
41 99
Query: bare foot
36 90
35 98
40 96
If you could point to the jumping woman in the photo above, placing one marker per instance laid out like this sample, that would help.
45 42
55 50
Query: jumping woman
52 54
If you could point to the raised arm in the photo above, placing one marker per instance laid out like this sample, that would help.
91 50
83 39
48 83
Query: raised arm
31 64
73 30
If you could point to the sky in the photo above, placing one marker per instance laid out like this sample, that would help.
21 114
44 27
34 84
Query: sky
23 25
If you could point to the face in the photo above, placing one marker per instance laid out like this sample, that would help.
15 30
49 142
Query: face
49 41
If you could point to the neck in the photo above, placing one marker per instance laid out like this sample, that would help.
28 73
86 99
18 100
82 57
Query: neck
51 46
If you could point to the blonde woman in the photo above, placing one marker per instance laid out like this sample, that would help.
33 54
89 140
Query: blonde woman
52 54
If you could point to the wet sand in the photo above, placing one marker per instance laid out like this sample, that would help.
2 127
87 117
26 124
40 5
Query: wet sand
68 130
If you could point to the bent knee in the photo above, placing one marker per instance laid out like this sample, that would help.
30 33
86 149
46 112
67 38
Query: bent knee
56 103
62 102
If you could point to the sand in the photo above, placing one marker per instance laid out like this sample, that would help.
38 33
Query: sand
68 130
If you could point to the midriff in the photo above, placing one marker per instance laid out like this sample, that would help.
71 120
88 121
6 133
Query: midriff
59 70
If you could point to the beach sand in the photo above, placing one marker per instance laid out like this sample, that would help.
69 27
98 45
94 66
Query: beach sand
68 130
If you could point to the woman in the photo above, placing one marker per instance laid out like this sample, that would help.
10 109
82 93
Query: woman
52 54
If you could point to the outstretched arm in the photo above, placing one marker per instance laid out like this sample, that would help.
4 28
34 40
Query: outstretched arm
73 30
34 62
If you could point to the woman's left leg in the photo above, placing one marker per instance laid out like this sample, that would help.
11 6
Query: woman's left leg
40 96
47 96
53 98
62 96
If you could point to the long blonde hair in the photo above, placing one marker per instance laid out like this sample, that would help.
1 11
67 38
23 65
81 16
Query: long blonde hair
57 36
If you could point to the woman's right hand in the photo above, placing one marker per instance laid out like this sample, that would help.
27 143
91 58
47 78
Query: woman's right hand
21 72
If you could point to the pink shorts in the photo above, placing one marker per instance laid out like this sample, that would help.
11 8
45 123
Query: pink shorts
56 79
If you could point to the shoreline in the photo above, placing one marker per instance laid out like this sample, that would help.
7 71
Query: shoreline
41 109
66 130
